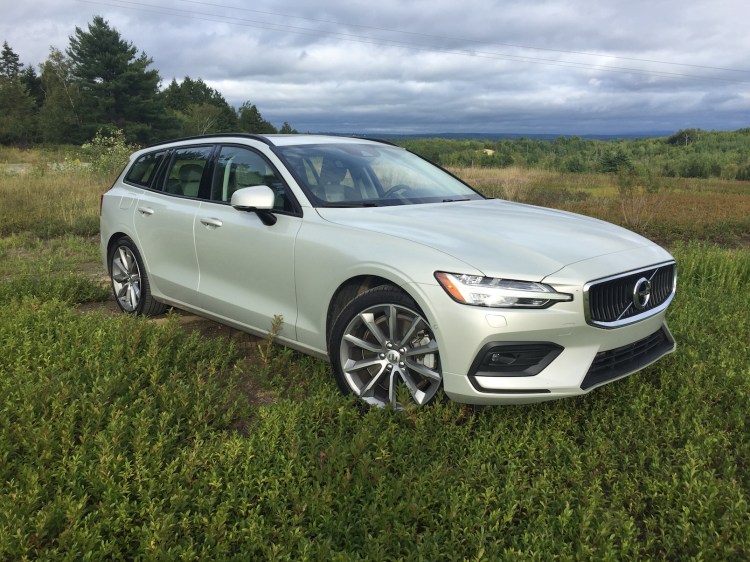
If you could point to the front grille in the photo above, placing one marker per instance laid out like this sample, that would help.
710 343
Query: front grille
613 302
609 365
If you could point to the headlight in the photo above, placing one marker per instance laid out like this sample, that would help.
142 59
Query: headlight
501 293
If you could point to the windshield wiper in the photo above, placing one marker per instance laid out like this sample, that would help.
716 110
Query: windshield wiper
348 205
454 200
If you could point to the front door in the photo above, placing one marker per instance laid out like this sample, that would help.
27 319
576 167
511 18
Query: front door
246 267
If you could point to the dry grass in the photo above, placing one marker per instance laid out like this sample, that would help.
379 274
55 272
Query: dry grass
35 156
49 202
515 183
670 209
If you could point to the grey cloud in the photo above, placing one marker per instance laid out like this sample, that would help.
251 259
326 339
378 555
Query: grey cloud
438 65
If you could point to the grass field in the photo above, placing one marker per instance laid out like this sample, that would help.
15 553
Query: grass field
124 438
664 209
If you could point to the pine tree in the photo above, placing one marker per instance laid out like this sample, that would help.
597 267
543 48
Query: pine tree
33 83
250 120
17 118
117 88
10 67
199 108
286 129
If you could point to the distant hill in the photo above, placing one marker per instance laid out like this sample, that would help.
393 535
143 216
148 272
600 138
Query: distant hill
504 136
688 153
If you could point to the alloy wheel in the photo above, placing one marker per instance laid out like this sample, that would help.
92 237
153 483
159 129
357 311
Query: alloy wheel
387 347
126 278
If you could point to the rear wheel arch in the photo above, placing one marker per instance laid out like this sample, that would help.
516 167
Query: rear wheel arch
111 243
129 279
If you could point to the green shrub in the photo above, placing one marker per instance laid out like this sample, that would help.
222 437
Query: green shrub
108 152
70 288
118 442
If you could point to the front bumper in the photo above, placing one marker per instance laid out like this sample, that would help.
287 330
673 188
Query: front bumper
572 357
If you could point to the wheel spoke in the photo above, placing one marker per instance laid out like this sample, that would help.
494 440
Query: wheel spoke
121 290
119 273
410 384
125 258
133 296
368 318
370 386
362 344
428 348
416 321
364 364
392 323
424 371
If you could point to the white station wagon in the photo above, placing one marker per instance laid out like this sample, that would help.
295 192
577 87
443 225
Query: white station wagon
401 275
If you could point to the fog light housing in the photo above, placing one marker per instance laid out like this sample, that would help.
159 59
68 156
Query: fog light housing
512 359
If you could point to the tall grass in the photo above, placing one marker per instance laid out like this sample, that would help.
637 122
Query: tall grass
37 156
48 201
667 210
120 440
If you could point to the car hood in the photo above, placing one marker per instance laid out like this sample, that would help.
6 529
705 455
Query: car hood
499 238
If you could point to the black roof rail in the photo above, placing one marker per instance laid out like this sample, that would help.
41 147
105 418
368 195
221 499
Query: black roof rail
260 138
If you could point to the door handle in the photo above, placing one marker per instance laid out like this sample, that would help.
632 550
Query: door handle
211 223
145 211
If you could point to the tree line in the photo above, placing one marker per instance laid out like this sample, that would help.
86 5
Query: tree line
692 153
102 83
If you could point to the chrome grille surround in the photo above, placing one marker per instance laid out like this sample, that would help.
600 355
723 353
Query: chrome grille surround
611 302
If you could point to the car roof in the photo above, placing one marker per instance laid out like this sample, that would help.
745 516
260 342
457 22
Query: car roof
274 139
294 140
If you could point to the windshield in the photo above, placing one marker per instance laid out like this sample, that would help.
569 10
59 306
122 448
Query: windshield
364 175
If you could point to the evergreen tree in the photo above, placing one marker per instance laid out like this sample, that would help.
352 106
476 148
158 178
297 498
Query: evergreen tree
199 108
118 90
10 67
33 83
17 118
59 119
250 120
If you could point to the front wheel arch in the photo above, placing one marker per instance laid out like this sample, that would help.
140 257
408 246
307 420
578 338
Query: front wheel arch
345 293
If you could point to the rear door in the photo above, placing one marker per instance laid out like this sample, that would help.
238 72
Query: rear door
164 225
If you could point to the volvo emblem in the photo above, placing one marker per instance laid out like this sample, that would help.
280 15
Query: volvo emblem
641 293
393 356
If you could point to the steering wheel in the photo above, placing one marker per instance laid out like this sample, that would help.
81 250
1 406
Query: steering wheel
396 190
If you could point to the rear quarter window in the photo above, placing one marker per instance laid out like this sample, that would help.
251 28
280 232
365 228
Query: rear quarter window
144 168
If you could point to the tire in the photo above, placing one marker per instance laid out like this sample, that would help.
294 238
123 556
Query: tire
383 350
129 279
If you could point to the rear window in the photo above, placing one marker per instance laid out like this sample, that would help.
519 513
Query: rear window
143 170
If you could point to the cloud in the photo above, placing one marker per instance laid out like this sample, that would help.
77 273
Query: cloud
557 66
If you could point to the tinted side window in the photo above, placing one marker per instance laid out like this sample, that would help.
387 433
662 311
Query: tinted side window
237 167
143 170
185 175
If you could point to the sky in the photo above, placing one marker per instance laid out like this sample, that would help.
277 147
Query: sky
573 67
